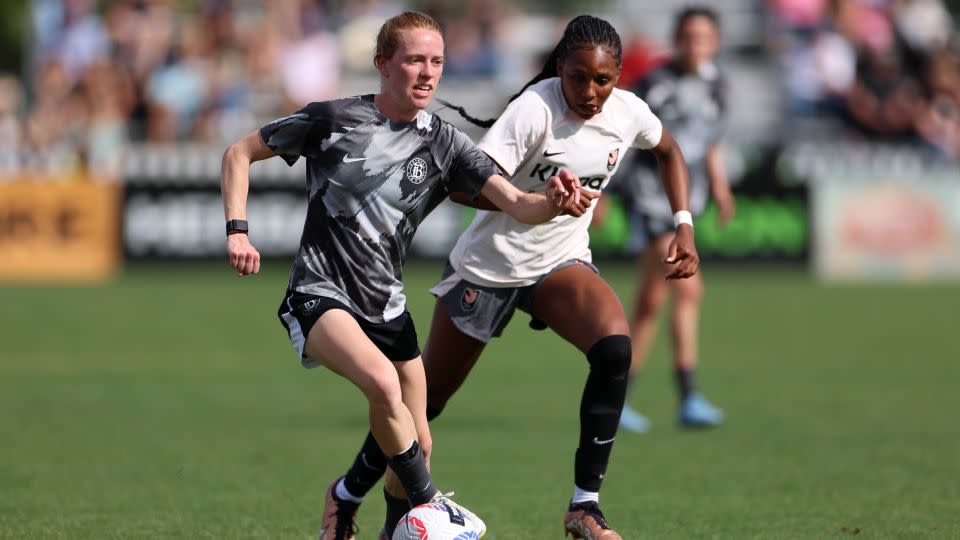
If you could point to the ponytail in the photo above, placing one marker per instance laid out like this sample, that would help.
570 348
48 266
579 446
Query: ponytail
463 112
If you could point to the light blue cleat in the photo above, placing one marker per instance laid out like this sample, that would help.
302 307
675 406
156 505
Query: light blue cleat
696 411
632 421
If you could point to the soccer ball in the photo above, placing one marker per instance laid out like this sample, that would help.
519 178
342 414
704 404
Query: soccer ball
436 521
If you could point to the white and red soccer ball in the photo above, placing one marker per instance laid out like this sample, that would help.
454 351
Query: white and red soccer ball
436 521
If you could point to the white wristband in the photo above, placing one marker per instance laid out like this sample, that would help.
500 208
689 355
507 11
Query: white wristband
682 216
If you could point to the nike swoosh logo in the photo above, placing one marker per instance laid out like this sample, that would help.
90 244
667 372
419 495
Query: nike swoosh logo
601 443
348 159
551 154
363 456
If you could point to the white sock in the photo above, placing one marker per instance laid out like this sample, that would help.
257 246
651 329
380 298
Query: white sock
581 495
345 495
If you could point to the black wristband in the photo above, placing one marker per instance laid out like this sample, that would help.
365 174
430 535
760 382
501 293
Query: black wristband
237 226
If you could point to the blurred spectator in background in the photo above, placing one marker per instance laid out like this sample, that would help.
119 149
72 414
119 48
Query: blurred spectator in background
818 61
11 132
885 95
176 91
142 37
882 68
109 97
470 49
70 32
70 39
53 122
939 121
688 95
469 52
308 63
359 20
923 26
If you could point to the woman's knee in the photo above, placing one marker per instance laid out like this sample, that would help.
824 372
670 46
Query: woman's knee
384 391
610 355
688 291
650 299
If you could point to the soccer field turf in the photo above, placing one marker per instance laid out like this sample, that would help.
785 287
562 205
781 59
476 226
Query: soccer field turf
169 404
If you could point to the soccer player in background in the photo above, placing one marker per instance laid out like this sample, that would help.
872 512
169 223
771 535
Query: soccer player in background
376 166
688 95
569 116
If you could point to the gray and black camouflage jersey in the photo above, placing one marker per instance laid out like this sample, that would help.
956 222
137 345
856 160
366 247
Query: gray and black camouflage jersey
693 107
371 181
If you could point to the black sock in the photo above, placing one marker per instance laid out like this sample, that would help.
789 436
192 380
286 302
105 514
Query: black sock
367 469
396 508
370 464
684 382
600 408
411 469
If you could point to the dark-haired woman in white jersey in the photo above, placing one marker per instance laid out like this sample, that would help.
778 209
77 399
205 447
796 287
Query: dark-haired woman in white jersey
376 166
569 116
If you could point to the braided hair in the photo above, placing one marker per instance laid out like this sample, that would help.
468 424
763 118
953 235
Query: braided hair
583 32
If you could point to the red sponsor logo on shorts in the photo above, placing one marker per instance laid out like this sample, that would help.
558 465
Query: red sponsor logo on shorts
469 299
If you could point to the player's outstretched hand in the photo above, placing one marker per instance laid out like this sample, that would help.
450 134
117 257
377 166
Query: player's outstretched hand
563 190
682 254
244 258
586 201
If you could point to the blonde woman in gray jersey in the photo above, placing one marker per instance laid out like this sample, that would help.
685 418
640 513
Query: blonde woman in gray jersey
376 166
570 116
688 94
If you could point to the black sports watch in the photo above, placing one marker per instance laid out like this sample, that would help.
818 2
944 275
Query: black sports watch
237 226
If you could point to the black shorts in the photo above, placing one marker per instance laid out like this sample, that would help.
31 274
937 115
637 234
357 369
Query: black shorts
396 338
646 228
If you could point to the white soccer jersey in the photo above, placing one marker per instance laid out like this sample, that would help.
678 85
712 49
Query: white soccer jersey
533 139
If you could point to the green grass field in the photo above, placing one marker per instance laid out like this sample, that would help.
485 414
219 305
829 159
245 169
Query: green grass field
169 404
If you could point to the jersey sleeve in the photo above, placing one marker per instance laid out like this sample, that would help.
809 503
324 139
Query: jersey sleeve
648 127
470 168
300 133
521 127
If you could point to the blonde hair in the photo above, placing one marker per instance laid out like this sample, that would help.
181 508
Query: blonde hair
388 39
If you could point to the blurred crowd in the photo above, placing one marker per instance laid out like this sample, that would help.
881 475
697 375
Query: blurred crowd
103 74
156 71
886 69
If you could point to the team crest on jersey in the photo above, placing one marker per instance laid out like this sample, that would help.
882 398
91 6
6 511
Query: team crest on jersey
612 159
416 170
469 299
